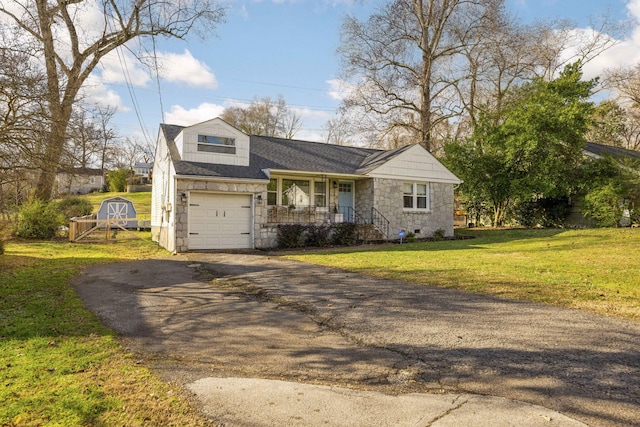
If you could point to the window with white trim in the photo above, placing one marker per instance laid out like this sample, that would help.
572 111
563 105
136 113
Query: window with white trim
216 144
297 192
320 193
272 192
415 196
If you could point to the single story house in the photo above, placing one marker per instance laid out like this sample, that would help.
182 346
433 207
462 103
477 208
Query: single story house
79 181
215 187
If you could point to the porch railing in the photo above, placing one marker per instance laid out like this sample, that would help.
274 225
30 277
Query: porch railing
373 218
380 222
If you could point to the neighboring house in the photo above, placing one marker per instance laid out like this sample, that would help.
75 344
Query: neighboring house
215 187
628 160
622 155
624 158
142 170
79 181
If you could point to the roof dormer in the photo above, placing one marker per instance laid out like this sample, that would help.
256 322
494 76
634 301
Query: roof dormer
213 141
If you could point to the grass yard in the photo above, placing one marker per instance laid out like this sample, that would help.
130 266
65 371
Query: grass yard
595 269
58 365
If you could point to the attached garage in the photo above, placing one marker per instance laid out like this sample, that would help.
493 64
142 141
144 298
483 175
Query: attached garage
220 221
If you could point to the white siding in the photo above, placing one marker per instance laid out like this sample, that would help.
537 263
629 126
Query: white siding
159 181
163 198
415 164
179 141
188 145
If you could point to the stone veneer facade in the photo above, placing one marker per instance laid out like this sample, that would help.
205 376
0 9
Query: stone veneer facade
388 199
385 194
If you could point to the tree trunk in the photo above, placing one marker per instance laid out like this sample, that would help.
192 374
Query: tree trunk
52 155
60 102
55 142
427 64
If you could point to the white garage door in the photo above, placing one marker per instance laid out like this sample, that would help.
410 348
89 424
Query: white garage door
220 221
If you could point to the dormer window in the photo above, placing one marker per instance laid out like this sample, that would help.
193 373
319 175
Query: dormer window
216 144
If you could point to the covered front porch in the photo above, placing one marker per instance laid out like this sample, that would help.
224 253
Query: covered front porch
322 199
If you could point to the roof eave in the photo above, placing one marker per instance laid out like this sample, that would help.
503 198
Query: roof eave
307 173
222 178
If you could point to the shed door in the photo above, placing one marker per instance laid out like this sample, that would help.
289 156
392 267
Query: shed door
220 221
118 210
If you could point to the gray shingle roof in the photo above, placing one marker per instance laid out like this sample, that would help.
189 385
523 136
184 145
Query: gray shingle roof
297 155
171 131
284 154
615 152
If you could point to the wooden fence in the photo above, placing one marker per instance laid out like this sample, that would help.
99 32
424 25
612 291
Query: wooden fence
83 227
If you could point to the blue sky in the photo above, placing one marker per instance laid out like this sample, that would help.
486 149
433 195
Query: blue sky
286 47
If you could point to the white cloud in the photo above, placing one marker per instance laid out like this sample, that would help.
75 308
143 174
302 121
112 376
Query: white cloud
244 14
120 66
95 92
178 115
623 53
339 89
308 114
634 8
314 135
184 68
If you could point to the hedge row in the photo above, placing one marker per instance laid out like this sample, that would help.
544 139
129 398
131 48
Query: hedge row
300 235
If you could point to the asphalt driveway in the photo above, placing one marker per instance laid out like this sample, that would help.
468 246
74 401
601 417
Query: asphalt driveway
199 316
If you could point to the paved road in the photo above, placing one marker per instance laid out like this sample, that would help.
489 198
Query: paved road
255 316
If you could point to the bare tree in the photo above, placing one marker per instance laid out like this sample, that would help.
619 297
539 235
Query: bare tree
123 155
423 70
264 117
624 82
23 120
291 124
83 141
102 116
405 58
561 42
608 125
72 49
338 131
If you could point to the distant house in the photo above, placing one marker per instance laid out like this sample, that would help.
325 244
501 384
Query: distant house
142 169
79 181
215 187
626 159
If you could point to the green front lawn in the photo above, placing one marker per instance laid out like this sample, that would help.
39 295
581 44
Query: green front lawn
595 269
58 365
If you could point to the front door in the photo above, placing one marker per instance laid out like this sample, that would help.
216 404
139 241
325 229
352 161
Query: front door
345 200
